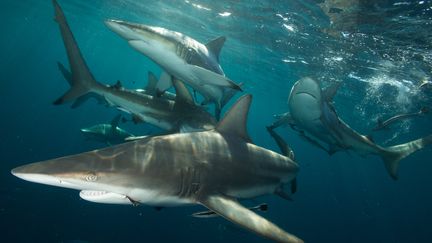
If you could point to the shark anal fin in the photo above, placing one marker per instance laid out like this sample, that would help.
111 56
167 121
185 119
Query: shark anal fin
236 213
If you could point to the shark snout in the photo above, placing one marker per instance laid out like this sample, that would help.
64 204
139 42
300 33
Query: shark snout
122 28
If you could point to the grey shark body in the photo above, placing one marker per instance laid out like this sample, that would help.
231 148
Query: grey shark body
182 58
173 115
107 133
313 116
211 168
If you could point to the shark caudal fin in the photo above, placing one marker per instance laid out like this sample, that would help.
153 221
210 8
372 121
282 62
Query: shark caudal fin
394 154
79 76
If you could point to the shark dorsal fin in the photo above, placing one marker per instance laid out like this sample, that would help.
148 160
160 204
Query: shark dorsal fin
235 119
216 45
182 93
117 85
331 91
115 122
151 83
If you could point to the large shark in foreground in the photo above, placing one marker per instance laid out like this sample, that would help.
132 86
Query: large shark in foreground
212 168
313 116
182 58
180 114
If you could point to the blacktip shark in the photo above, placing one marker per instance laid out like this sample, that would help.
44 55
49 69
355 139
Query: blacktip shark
211 168
183 58
107 133
381 124
180 114
312 114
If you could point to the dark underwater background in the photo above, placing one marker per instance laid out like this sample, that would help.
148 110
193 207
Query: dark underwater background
380 50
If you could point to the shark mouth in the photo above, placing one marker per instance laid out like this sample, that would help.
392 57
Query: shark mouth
299 93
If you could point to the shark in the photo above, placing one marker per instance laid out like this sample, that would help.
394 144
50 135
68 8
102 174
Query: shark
311 113
107 133
214 168
183 58
382 124
180 114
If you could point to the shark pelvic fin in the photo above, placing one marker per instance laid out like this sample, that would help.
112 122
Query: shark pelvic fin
165 82
235 119
151 83
182 93
283 146
216 45
66 73
115 122
236 213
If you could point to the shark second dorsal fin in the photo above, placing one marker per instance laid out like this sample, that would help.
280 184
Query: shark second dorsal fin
115 121
182 93
216 45
236 213
151 83
235 119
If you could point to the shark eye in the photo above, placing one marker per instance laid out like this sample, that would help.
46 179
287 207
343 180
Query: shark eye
91 177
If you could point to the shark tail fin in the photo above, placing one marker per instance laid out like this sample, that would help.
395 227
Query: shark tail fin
394 154
79 77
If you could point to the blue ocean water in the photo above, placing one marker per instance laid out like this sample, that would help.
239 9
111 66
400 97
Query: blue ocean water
381 54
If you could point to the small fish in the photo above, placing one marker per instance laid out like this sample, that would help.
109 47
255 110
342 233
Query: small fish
210 214
383 124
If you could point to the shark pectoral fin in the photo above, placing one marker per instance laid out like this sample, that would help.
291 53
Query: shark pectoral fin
235 119
331 91
205 214
236 213
208 77
215 46
133 138
151 83
165 82
182 93
282 119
